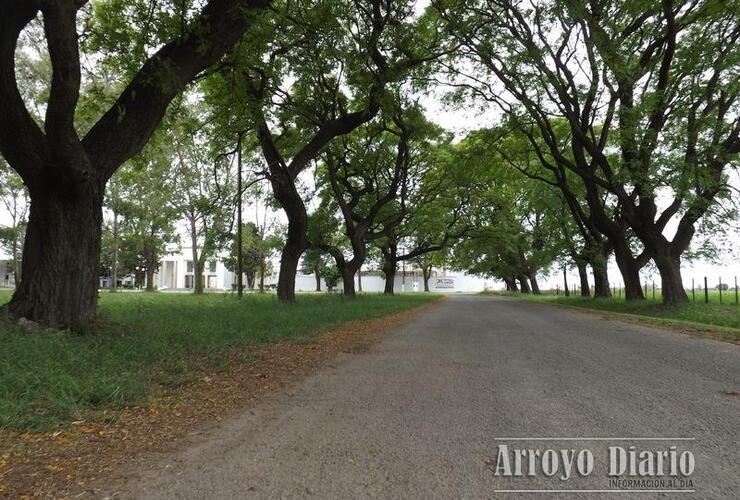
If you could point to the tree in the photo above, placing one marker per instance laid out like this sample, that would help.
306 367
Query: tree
66 172
314 261
147 209
581 238
331 277
658 83
367 174
324 76
433 212
14 200
258 247
206 192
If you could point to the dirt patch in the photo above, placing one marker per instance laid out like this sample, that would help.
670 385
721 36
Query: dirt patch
73 461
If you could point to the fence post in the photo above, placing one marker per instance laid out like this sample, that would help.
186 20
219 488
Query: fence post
720 289
693 291
706 291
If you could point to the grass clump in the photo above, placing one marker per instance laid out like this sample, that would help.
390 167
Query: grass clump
725 315
150 342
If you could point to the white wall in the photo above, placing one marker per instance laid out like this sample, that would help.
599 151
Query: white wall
449 282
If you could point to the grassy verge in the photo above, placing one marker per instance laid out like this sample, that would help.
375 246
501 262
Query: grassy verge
720 319
153 342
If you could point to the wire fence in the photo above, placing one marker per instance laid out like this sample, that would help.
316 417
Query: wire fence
722 292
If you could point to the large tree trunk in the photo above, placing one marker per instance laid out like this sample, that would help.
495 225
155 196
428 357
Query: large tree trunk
359 280
295 242
389 270
602 288
317 273
197 264
511 285
671 283
390 266
348 280
262 276
583 275
630 272
427 272
198 277
151 265
197 269
61 255
533 283
524 284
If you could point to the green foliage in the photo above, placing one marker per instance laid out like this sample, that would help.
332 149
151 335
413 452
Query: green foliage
15 203
331 276
258 248
143 194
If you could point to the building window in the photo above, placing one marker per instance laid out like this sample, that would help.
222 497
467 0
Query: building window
188 281
189 266
212 266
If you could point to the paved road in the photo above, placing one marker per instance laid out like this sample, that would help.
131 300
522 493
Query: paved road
421 414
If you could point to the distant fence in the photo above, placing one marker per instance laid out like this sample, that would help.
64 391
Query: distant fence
722 291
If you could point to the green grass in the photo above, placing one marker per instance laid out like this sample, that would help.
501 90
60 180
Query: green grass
153 342
725 315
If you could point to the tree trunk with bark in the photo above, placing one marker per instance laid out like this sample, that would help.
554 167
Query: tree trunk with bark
533 283
524 284
389 271
511 285
390 265
66 174
348 280
151 266
602 289
197 264
671 282
427 273
317 273
61 255
262 276
629 270
583 275
295 243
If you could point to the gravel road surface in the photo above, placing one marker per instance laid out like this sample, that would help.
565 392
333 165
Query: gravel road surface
422 413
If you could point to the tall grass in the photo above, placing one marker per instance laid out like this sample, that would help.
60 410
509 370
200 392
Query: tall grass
726 314
150 341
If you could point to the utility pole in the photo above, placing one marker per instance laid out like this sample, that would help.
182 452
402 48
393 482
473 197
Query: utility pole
239 256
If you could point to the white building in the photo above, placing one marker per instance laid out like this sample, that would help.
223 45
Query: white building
413 281
176 272
7 273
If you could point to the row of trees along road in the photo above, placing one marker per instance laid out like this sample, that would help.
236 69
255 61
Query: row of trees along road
606 110
637 99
